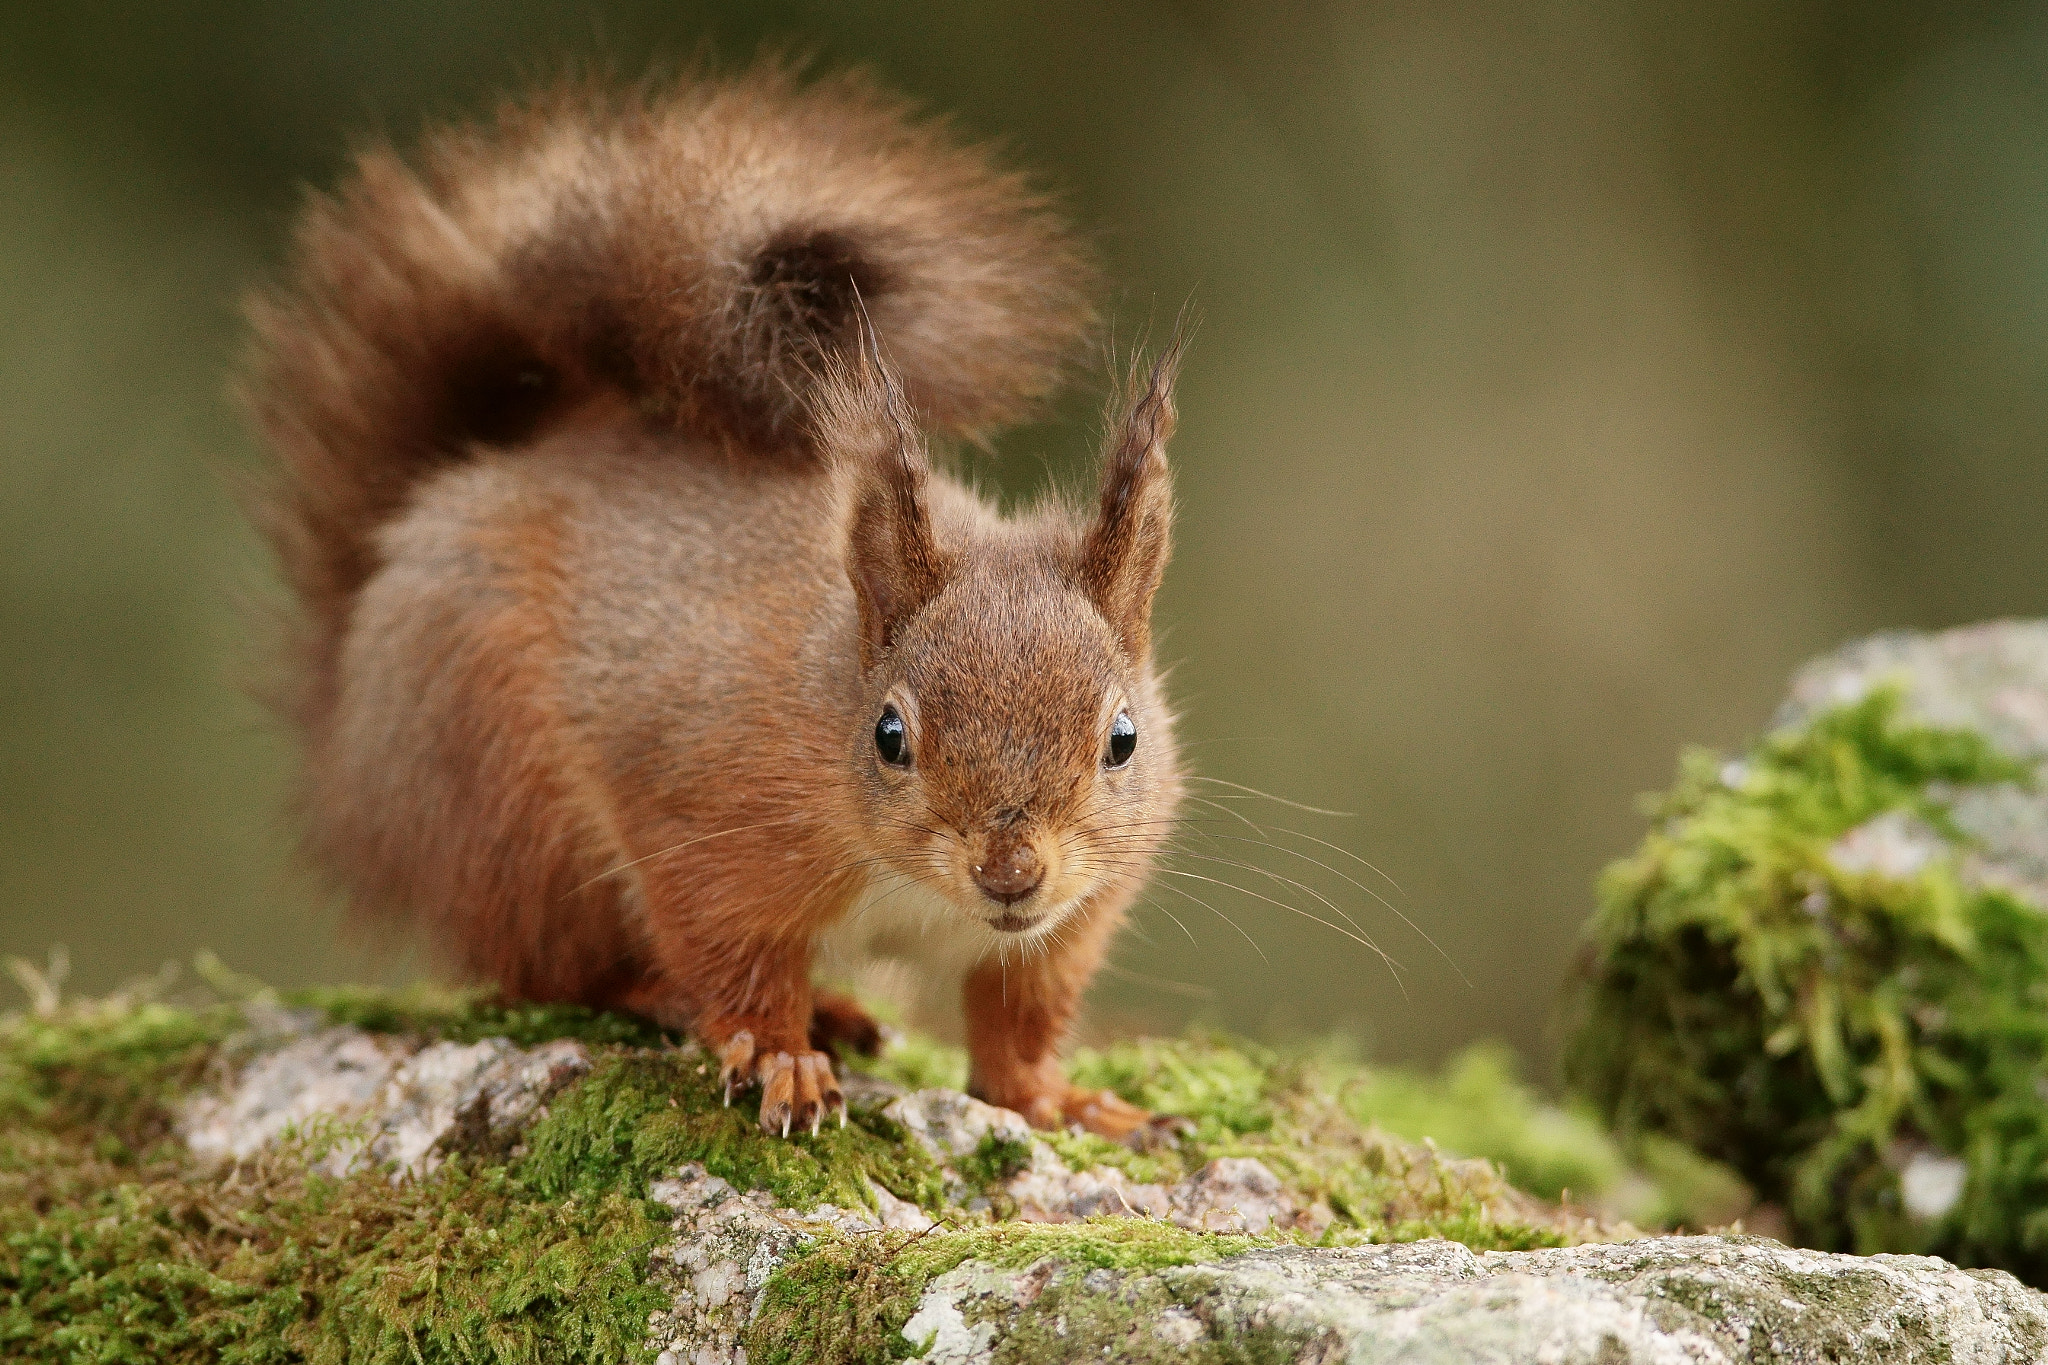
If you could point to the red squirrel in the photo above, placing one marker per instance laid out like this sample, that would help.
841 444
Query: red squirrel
643 656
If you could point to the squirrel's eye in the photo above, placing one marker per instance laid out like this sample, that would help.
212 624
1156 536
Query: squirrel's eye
1123 741
892 741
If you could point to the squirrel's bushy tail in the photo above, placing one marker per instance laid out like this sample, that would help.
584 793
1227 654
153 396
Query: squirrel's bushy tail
697 247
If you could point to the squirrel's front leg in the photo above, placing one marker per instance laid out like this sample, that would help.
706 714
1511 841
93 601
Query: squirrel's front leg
1018 1014
755 1016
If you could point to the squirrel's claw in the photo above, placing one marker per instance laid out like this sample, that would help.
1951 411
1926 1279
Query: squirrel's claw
827 1089
735 1062
778 1093
795 1091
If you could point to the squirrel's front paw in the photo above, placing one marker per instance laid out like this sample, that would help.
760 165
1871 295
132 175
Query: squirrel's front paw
1107 1114
796 1087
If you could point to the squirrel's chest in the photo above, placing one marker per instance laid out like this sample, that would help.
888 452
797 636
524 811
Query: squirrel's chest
896 918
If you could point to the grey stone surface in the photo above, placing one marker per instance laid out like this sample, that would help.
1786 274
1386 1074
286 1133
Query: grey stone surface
1230 1194
381 1098
1990 678
728 1243
1659 1301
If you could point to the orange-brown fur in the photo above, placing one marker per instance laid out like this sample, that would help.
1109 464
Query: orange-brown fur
604 492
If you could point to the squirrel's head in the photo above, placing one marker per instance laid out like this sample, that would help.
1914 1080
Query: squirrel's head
1015 758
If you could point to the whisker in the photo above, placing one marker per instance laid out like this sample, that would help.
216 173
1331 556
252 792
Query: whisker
1393 909
1339 848
1275 876
1226 810
913 825
1268 796
1185 988
1121 834
904 883
1177 923
1189 895
858 863
677 848
1179 891
1359 939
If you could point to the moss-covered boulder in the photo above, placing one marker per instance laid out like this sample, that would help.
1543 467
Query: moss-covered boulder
362 1176
353 1176
1828 963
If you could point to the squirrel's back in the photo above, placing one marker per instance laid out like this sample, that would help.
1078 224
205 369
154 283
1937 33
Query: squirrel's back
699 249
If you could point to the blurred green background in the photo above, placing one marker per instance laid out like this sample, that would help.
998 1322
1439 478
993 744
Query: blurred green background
1569 373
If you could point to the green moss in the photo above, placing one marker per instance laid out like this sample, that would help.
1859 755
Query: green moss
842 1303
1306 1115
1810 1026
994 1160
150 1264
1300 1115
915 1062
1134 1244
1224 1087
640 1115
108 1068
1073 1318
1232 1092
1070 1320
845 1301
467 1015
114 1249
487 1271
1479 1106
1084 1151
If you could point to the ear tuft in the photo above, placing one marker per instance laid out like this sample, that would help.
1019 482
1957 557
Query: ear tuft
1124 554
893 560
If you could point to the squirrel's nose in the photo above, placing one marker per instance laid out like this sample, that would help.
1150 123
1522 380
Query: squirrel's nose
1010 873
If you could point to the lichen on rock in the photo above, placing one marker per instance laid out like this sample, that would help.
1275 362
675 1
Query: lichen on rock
387 1105
1700 1300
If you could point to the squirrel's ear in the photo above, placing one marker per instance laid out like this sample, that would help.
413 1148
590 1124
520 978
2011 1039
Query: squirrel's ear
1124 554
892 558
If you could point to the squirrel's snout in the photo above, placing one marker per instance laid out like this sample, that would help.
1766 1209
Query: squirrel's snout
1009 873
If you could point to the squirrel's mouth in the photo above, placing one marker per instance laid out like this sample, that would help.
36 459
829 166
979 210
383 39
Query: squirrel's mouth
1014 921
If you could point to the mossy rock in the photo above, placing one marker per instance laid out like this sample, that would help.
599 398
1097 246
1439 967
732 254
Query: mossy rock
428 1176
366 1176
1827 966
